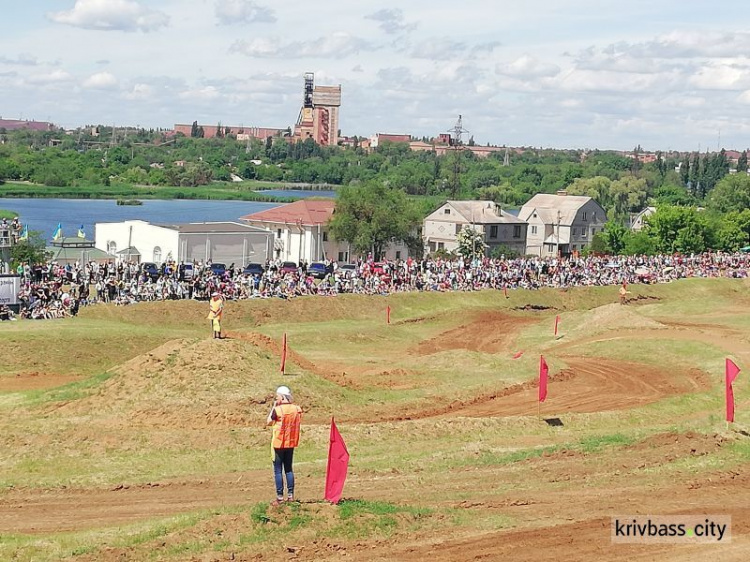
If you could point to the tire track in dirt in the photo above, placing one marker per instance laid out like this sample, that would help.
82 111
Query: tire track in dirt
590 385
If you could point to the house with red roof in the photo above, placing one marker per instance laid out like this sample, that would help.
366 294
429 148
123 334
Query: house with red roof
301 233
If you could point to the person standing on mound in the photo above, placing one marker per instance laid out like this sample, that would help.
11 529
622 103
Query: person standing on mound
286 418
624 293
215 310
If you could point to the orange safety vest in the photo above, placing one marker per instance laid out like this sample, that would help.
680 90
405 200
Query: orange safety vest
286 428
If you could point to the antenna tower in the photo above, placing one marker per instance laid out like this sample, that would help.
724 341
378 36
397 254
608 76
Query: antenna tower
456 144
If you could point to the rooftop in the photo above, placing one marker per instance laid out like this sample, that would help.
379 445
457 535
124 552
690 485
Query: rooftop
304 212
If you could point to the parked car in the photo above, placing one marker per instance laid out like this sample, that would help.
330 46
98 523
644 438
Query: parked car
253 269
218 268
150 269
288 267
185 271
348 269
318 270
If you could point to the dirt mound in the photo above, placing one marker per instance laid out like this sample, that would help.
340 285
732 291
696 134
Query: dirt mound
681 444
592 385
611 317
488 332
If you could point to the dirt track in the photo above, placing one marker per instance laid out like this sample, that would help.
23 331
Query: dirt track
565 517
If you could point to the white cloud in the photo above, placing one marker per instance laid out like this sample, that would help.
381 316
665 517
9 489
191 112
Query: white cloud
437 48
230 12
139 92
107 15
721 77
56 76
688 44
337 45
391 21
23 59
206 93
527 67
100 81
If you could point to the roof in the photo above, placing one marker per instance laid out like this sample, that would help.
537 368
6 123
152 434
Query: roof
214 228
68 254
129 251
477 212
547 207
564 238
305 212
72 242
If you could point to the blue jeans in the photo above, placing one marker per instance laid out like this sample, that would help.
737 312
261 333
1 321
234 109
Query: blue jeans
282 459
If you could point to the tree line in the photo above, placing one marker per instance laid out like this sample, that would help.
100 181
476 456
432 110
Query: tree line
622 183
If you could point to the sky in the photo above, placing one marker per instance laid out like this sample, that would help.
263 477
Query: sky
666 74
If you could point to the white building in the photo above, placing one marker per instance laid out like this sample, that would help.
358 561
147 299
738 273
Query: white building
561 224
225 242
639 221
301 233
498 227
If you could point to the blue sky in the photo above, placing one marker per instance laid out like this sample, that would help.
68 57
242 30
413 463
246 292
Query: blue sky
552 73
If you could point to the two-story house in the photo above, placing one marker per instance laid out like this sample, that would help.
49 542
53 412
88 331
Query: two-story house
561 224
498 227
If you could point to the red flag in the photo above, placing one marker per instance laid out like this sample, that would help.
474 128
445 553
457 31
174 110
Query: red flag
557 321
338 464
731 372
283 354
517 355
388 314
543 375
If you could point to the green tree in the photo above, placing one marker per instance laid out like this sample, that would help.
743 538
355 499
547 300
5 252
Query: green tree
31 251
685 170
614 235
732 193
638 243
370 216
194 130
742 162
678 229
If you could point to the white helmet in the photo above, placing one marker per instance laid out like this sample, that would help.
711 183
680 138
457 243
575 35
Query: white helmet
283 390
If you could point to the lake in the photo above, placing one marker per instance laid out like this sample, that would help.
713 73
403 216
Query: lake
44 214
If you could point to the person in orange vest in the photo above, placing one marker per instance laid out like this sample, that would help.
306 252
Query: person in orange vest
286 418
215 310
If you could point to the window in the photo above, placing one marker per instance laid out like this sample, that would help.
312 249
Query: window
325 236
593 232
157 254
493 231
278 233
575 231
447 211
584 216
441 246
341 256
593 217
533 230
398 254
111 247
583 232
517 231
458 229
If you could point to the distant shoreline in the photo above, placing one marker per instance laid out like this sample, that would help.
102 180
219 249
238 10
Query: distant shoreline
214 191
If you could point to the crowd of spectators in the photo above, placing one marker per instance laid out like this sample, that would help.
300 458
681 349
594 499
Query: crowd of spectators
53 291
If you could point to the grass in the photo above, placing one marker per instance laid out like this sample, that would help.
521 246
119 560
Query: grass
195 411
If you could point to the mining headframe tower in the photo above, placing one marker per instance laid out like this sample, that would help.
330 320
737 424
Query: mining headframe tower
319 116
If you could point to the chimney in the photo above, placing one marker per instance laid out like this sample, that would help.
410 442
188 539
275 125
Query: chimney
562 192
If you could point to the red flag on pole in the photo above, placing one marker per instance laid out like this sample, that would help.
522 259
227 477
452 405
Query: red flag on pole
283 355
731 372
557 321
543 375
388 314
338 465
